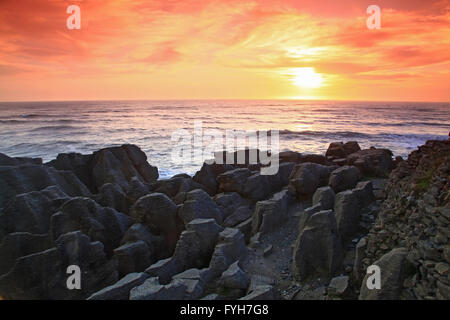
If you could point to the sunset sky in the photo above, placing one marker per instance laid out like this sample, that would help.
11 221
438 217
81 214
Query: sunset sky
236 49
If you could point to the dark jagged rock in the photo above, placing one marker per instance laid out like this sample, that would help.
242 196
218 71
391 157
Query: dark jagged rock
364 193
307 177
246 228
194 280
230 248
111 195
290 156
141 232
234 277
43 275
233 180
392 266
132 257
272 213
325 197
16 245
115 165
318 250
339 287
229 202
77 163
245 158
8 161
254 186
193 250
372 162
347 213
159 213
315 158
338 150
136 189
152 290
119 164
31 211
415 216
240 215
176 185
102 224
121 289
27 178
344 178
208 174
199 205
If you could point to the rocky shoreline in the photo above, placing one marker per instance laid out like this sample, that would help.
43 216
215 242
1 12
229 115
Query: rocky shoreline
228 232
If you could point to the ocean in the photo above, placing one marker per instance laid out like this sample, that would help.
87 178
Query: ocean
44 129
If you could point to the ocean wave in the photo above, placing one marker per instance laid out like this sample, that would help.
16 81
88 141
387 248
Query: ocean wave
39 115
348 134
12 121
56 128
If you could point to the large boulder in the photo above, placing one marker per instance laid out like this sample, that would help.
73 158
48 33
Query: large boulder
281 178
372 162
16 245
176 185
347 213
141 232
258 187
159 213
119 164
234 277
31 211
392 266
121 289
116 165
229 202
339 150
136 189
240 215
307 177
318 250
233 180
364 193
27 178
102 224
336 150
43 275
230 248
339 287
194 280
111 195
272 213
344 178
193 250
325 197
208 174
132 257
199 205
77 163
254 186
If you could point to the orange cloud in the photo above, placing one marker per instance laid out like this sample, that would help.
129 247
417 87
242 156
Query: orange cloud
233 49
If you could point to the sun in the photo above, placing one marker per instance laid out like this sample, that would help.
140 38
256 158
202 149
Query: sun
306 78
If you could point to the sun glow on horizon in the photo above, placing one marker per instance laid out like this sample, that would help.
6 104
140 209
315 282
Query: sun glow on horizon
236 49
306 78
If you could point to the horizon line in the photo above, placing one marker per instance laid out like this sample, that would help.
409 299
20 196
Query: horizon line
223 99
